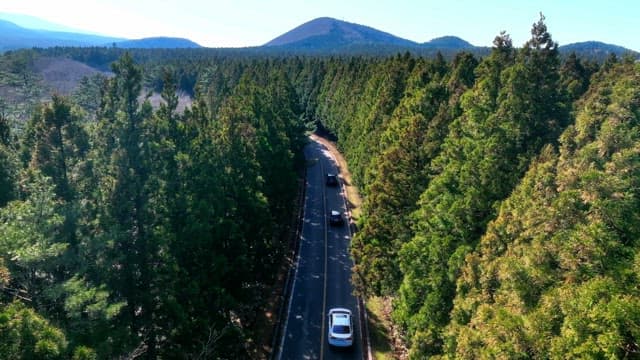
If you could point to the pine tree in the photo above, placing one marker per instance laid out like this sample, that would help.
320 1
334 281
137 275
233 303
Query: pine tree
7 175
59 143
574 77
28 335
123 166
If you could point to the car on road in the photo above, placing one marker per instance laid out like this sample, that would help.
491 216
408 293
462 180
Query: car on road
335 218
340 327
332 180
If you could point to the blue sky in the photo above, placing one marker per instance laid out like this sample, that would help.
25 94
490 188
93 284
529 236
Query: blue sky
237 23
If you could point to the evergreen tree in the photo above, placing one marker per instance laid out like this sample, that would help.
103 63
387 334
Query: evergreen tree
7 175
124 170
27 335
574 77
30 246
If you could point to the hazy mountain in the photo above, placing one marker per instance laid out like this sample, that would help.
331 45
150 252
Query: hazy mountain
35 23
328 33
13 36
158 42
596 50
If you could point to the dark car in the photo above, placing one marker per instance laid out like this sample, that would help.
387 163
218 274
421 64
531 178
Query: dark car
335 218
332 180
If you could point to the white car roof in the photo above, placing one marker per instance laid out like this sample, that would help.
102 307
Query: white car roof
335 213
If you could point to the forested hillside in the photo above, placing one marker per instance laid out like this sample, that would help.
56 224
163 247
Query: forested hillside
501 212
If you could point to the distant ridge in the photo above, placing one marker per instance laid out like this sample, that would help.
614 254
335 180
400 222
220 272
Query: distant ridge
320 36
158 42
326 32
36 23
596 50
13 36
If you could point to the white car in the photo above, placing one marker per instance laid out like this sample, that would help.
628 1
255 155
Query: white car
340 327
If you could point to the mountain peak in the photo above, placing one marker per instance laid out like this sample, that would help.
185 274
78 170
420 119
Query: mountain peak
326 32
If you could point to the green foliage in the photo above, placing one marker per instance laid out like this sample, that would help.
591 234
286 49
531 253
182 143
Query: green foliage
29 231
7 175
558 255
55 144
400 172
600 321
506 120
84 353
27 335
575 77
8 168
90 314
89 93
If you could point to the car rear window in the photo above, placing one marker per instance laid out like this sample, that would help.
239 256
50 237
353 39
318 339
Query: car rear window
341 329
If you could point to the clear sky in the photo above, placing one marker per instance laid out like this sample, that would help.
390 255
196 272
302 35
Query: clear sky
238 23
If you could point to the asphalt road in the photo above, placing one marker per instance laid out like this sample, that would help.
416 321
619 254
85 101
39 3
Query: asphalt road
323 270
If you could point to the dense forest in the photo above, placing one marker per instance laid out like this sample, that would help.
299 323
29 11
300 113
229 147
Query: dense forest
146 232
501 212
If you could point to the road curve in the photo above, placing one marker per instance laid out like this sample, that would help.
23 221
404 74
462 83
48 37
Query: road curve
322 272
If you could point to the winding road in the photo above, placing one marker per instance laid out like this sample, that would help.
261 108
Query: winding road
322 272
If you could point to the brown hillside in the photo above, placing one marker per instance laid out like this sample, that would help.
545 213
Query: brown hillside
62 75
